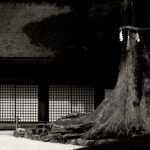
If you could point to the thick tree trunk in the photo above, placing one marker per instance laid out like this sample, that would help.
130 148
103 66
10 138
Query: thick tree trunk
128 113
128 12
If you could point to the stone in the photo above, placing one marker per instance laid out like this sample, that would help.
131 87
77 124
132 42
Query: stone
36 137
19 132
28 134
84 142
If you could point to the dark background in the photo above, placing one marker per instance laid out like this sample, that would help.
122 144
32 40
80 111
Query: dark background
86 41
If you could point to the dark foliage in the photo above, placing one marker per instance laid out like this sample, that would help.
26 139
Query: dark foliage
89 33
64 33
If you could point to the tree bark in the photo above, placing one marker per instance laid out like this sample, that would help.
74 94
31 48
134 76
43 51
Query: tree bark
128 112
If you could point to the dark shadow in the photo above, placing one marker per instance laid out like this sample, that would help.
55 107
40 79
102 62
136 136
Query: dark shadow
137 143
64 34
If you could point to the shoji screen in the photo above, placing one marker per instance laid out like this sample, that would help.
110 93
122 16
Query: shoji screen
18 100
7 103
64 99
59 101
27 103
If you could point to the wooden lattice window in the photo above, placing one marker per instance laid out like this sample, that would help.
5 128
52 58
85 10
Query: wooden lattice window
18 101
64 99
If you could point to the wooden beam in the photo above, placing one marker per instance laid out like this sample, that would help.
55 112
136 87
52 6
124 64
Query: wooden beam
43 109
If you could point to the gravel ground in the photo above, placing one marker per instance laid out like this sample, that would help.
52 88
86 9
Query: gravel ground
9 142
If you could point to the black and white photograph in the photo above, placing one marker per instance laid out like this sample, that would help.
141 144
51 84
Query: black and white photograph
74 75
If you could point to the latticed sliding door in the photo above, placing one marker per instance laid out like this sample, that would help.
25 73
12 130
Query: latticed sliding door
22 101
27 103
64 99
59 101
7 103
19 101
82 98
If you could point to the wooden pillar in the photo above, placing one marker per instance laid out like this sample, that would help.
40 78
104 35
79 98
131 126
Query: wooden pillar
43 97
98 95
